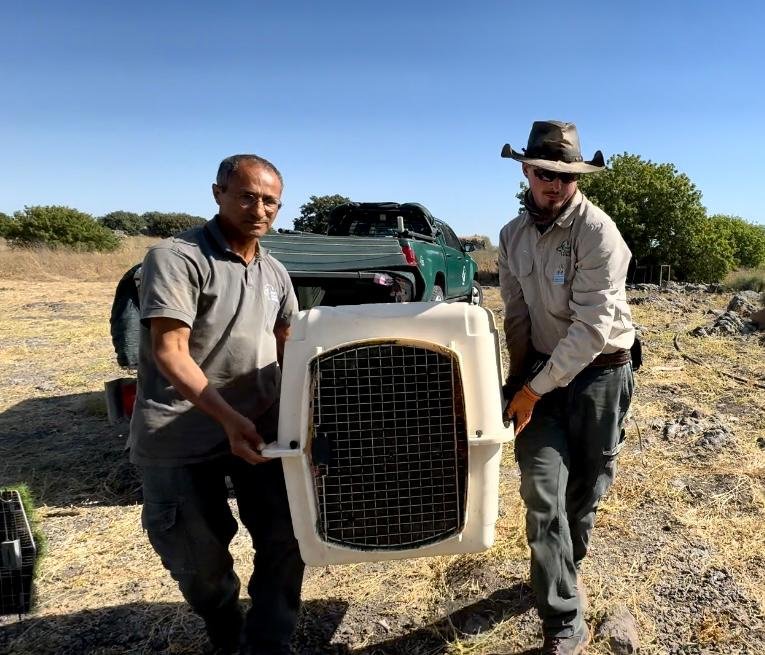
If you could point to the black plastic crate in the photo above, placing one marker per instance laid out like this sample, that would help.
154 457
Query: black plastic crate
17 555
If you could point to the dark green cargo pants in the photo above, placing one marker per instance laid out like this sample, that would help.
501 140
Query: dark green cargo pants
567 456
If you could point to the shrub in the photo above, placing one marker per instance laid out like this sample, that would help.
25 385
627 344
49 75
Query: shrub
710 256
748 240
160 224
56 226
5 224
128 222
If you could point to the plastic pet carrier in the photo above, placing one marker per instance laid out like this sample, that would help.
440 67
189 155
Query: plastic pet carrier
17 555
391 430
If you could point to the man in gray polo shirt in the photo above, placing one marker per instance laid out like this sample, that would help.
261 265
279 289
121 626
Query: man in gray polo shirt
216 309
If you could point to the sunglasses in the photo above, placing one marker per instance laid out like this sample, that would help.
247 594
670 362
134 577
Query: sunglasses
551 176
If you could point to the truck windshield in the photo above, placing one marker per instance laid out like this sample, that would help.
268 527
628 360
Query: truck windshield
377 228
371 224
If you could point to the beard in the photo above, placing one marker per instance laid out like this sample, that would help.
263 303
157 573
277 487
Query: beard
547 210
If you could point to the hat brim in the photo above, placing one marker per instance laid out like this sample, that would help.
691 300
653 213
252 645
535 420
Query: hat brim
596 164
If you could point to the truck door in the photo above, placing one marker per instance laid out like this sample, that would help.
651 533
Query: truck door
457 282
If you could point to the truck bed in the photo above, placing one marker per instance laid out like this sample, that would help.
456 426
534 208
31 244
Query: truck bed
343 270
304 252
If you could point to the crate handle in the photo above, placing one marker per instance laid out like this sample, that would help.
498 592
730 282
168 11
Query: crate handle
505 435
274 452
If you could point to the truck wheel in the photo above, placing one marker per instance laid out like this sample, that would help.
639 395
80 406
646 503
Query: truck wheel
476 294
437 295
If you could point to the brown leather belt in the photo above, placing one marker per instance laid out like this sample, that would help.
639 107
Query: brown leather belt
611 359
604 360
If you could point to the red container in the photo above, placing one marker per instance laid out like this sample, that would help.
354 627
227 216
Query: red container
127 397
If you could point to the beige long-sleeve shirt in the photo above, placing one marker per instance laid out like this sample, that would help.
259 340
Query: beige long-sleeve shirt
564 291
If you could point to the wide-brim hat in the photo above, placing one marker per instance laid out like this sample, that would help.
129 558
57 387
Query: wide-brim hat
554 146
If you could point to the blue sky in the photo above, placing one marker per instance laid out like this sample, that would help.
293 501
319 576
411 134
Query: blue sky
131 105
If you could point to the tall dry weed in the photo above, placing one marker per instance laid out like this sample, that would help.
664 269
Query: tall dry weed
487 265
43 263
748 278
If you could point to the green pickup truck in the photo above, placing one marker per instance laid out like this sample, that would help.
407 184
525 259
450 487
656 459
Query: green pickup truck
377 252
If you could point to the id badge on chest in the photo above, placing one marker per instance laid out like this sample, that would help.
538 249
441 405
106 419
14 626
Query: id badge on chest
559 277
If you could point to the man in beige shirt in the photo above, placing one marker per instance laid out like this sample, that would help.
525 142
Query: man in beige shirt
562 271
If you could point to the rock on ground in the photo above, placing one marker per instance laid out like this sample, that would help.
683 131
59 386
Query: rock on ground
705 434
744 303
619 631
729 323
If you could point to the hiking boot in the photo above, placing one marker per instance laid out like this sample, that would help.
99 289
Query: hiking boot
573 645
581 592
224 628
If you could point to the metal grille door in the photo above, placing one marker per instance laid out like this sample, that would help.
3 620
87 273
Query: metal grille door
389 445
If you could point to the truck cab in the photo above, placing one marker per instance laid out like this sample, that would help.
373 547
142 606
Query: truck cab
439 263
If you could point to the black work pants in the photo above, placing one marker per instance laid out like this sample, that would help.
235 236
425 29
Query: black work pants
190 525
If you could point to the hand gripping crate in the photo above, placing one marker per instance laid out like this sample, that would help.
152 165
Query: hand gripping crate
17 555
391 430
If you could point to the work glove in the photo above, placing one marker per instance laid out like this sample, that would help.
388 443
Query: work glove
521 407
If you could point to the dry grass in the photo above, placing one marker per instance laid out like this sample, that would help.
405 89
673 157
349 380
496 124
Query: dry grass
59 263
671 517
752 278
54 336
728 519
487 265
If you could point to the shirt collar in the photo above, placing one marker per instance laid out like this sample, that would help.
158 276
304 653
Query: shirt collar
215 231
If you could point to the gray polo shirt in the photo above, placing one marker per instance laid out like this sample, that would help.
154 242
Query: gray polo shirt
231 308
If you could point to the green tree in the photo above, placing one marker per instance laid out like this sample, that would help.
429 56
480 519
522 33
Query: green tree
748 240
55 225
5 224
127 222
711 253
161 224
657 209
314 214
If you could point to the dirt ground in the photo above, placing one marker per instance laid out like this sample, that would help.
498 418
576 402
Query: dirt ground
680 539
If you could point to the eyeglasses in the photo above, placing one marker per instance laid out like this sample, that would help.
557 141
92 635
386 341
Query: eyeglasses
551 176
270 204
